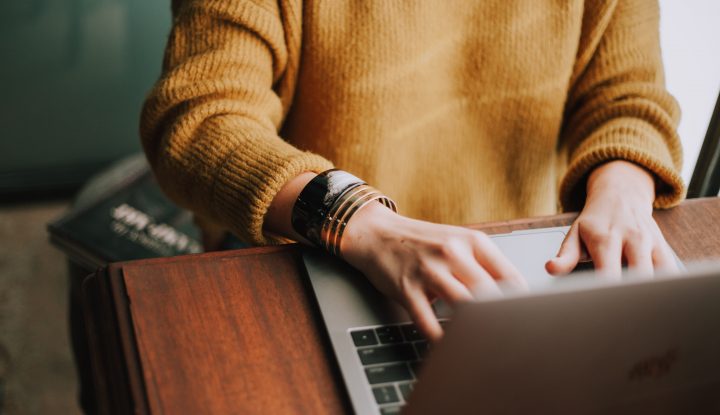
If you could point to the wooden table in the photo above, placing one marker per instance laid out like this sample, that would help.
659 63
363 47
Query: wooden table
239 332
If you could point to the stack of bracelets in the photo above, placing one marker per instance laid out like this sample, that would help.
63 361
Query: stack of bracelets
326 204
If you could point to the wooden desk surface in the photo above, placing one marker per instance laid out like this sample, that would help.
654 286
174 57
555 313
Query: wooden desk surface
239 332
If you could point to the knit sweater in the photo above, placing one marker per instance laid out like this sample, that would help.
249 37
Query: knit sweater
461 111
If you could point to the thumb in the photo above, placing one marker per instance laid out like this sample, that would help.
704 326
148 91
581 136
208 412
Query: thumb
568 255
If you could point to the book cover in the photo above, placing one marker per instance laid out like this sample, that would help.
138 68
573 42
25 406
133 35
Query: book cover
131 220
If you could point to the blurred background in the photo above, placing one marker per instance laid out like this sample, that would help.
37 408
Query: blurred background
73 77
74 74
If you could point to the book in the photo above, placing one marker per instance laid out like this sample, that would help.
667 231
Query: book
123 215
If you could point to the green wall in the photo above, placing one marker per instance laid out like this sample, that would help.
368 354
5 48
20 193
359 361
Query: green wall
73 74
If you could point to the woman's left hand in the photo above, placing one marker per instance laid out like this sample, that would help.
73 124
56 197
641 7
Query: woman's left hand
616 226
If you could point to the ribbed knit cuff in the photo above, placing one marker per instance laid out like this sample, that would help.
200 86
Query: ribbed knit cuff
249 180
624 139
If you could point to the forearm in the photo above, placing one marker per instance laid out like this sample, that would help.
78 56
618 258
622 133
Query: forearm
277 220
621 177
210 125
618 106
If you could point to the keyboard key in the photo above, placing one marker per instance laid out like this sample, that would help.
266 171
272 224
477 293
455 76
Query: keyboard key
364 337
389 334
411 332
390 410
405 389
422 348
387 354
385 394
388 373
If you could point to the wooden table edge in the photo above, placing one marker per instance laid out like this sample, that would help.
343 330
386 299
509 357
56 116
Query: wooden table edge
123 321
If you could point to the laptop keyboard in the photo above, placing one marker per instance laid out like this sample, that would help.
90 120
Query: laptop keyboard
391 357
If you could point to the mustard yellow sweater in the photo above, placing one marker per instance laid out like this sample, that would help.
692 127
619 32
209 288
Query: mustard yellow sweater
461 111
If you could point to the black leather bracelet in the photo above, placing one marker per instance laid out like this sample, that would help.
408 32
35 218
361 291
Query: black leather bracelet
316 200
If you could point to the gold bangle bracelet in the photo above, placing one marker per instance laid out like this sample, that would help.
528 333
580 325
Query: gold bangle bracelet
331 216
343 225
337 211
350 208
356 205
341 211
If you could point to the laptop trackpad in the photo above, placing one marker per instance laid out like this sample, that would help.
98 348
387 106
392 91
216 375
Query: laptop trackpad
353 299
529 251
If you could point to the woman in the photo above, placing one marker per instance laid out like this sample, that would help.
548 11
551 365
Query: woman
460 112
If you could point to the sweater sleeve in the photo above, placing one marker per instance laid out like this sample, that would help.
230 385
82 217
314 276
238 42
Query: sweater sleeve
617 106
210 125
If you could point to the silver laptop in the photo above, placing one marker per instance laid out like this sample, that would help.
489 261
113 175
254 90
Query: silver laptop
381 355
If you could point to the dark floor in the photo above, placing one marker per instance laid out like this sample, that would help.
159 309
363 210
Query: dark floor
37 375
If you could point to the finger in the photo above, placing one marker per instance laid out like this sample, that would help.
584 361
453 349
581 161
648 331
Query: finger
449 288
491 258
423 315
663 258
474 277
638 254
606 253
568 255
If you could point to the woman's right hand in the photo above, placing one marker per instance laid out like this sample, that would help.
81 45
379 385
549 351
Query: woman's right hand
415 262
412 261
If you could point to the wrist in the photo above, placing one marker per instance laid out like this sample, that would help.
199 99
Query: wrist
278 217
365 229
326 205
621 178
